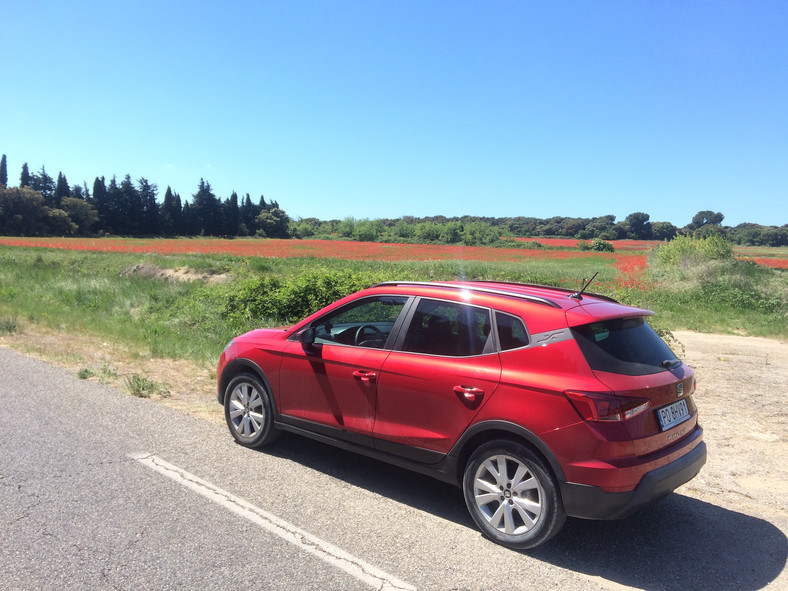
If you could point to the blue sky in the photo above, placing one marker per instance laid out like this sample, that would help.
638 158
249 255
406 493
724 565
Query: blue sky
379 108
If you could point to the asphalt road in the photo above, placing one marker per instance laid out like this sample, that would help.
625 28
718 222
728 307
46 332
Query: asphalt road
100 490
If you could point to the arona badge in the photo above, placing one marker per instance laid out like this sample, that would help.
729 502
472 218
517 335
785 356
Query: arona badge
680 389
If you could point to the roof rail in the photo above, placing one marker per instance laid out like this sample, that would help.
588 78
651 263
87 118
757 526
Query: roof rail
469 286
565 290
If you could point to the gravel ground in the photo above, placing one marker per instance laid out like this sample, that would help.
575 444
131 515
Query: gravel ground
742 384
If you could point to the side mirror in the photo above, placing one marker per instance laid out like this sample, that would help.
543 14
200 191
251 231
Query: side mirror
307 338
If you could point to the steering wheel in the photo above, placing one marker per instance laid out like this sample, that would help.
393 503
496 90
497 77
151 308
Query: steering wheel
377 336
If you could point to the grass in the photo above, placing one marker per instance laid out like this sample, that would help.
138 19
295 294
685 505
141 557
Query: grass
8 324
92 292
142 387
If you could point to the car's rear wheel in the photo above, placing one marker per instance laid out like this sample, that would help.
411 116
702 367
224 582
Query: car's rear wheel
248 411
511 495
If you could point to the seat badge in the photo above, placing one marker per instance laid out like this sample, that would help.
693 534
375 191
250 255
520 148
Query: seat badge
680 389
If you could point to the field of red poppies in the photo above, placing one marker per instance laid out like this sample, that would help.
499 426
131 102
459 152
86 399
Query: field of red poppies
629 258
53 285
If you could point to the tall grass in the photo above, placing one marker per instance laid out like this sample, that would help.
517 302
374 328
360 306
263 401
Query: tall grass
702 286
96 293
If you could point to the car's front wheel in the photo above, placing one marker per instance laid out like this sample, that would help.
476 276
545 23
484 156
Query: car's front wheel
511 495
248 411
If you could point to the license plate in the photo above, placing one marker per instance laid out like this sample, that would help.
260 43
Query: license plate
673 414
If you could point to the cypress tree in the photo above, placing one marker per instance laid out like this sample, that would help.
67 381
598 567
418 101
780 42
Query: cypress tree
170 218
150 208
62 190
44 184
206 210
232 215
100 203
24 179
3 172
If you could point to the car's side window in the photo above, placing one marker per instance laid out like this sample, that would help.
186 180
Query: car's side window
363 323
448 328
511 331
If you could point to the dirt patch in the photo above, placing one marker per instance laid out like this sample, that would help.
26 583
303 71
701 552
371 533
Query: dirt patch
741 395
190 387
150 271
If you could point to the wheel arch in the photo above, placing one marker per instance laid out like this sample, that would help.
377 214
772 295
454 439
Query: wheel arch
239 366
481 433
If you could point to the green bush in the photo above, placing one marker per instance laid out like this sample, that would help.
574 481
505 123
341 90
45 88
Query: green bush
142 387
684 251
8 324
272 298
597 244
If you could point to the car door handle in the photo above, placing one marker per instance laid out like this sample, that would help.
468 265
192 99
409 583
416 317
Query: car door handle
365 376
469 395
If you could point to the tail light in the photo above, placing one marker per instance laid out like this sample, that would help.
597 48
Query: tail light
596 407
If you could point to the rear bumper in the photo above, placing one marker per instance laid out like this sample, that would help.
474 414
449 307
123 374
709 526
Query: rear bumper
591 502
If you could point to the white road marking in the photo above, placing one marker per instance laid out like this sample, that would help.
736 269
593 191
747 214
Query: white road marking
327 552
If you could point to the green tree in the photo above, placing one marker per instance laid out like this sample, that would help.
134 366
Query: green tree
273 223
451 232
346 226
367 230
58 222
171 210
232 215
150 207
663 231
639 226
479 234
190 223
249 212
44 184
81 213
206 210
703 218
131 210
100 201
62 190
24 178
114 200
23 212
3 172
80 192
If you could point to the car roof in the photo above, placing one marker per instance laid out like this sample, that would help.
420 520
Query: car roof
555 297
557 305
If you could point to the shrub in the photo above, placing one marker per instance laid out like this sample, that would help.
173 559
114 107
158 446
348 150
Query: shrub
8 324
142 387
85 373
597 244
272 298
685 251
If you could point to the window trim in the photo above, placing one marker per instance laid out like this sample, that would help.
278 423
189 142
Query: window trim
395 329
528 334
490 347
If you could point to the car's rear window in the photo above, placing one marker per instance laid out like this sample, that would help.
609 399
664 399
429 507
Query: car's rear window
627 346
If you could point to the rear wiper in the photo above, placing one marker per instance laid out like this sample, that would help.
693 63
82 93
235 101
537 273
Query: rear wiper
669 363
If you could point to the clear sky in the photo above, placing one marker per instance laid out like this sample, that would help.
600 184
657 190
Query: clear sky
384 108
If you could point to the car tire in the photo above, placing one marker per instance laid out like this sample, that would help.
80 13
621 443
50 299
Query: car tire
512 496
249 412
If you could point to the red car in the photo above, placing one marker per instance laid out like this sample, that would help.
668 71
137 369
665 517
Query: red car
539 402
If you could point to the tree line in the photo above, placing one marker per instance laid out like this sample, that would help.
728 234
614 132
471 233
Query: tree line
42 205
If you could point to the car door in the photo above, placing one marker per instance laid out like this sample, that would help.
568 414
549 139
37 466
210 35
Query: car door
331 379
443 370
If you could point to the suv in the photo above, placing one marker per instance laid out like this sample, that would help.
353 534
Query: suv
539 402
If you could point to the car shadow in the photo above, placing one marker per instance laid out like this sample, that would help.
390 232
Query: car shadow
679 543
